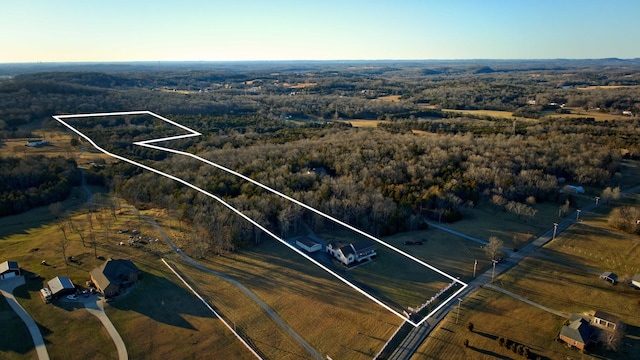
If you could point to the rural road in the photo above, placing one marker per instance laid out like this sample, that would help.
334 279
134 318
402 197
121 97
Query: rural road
410 344
6 288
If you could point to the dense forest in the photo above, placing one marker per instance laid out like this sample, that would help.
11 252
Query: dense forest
32 181
287 125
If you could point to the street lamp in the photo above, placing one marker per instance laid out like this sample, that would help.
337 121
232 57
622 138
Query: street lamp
578 214
555 229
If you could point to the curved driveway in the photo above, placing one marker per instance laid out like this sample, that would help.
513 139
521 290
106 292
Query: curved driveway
6 288
95 307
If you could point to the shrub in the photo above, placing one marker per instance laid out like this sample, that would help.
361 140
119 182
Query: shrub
501 341
466 343
470 326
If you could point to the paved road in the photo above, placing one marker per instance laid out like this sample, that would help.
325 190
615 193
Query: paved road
407 348
95 306
6 288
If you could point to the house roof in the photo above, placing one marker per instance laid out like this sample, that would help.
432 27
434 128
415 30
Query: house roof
363 247
9 265
346 250
606 316
60 283
113 271
306 241
578 330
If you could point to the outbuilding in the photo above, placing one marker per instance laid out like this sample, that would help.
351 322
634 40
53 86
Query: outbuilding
60 286
9 269
308 245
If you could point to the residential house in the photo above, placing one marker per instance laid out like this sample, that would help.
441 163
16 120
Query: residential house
9 269
635 280
578 333
60 286
114 275
308 245
353 252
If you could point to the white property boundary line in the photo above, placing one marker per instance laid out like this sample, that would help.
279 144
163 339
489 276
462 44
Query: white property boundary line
193 133
212 310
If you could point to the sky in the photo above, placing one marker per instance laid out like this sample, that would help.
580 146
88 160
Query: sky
229 30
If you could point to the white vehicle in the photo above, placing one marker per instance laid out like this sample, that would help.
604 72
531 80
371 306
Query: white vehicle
45 294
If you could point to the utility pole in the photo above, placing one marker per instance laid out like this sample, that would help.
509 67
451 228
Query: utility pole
555 229
597 200
458 315
475 266
493 273
578 214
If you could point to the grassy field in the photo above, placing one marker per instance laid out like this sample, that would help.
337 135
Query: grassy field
150 318
495 315
492 113
362 122
12 343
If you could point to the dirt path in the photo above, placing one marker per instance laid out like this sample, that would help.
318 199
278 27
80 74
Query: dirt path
523 299
6 288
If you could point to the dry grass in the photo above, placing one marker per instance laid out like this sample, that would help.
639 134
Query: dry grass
15 342
150 318
363 122
345 323
389 98
299 85
492 113
495 315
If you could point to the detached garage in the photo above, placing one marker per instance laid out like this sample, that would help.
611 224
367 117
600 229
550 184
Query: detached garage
9 269
308 244
60 286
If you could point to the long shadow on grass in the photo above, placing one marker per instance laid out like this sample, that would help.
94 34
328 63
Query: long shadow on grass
161 300
490 353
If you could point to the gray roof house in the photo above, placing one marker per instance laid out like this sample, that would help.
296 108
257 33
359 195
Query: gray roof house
578 333
114 275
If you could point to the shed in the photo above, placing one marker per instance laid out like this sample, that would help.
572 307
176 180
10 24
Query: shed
114 275
60 286
308 245
9 269
635 280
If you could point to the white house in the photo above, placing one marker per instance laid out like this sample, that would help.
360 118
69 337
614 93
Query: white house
354 252
308 245
37 143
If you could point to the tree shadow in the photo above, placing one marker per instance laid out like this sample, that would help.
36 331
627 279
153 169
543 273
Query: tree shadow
484 334
489 353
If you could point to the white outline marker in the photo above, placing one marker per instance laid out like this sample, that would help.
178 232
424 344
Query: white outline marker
193 133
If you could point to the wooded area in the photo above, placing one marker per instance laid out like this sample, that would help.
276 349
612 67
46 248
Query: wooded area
277 124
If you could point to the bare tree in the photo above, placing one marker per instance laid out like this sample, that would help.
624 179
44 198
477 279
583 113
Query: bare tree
494 248
613 339
609 194
64 242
